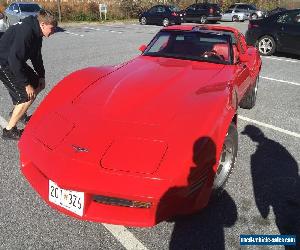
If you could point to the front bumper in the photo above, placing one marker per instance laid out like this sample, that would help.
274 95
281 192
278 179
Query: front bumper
39 164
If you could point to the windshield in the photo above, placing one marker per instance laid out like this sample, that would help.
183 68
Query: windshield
192 45
174 8
30 7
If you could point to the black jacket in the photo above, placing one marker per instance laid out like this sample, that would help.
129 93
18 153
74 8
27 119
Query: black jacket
19 43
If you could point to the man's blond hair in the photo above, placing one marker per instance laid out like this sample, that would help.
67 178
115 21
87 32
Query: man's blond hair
46 17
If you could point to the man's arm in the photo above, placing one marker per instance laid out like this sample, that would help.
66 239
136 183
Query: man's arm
37 61
17 54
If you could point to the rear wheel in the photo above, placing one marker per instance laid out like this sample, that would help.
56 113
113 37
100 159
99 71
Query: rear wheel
227 158
203 19
254 16
166 22
266 45
249 100
235 19
143 20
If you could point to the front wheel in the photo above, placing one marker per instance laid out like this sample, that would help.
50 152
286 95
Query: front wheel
227 158
203 19
166 22
249 100
143 20
266 45
235 19
254 16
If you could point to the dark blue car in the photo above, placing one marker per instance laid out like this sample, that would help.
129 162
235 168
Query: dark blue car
162 15
279 32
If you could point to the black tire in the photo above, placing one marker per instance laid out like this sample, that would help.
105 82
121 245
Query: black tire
249 100
266 45
166 22
143 20
235 19
254 16
227 159
203 19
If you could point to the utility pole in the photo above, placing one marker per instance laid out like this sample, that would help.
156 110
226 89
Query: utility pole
59 11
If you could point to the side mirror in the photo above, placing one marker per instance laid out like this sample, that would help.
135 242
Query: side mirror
142 48
16 11
243 58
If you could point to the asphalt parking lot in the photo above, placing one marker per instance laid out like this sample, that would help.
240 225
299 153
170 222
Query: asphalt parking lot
263 188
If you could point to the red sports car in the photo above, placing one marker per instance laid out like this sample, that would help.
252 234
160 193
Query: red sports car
146 140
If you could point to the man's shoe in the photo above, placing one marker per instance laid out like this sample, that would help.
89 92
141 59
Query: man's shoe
12 134
24 119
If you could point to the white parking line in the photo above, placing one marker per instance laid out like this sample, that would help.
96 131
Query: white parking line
90 28
126 238
269 126
281 59
277 80
112 31
75 34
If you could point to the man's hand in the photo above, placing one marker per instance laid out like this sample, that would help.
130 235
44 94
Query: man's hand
30 92
42 84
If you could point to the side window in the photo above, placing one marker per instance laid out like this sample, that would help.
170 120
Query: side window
161 9
16 7
192 7
201 7
153 9
285 18
239 7
11 7
251 7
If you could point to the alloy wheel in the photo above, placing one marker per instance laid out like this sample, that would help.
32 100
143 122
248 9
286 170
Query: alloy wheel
265 46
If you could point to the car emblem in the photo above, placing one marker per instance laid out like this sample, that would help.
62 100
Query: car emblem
80 149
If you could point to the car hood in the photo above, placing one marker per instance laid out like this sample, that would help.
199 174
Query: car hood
123 121
148 90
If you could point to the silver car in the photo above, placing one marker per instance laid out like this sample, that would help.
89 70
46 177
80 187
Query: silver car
234 16
17 11
3 25
249 9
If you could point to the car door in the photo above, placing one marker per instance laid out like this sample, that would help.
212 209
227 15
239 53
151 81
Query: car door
152 15
190 13
289 31
227 16
242 74
162 12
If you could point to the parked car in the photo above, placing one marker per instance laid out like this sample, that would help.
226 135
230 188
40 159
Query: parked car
274 11
234 16
17 11
250 9
278 32
202 13
162 15
146 140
